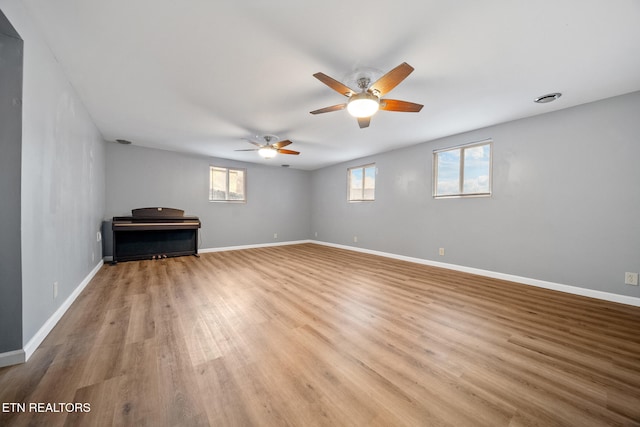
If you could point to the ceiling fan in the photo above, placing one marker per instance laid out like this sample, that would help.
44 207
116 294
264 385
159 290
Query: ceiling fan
269 150
368 101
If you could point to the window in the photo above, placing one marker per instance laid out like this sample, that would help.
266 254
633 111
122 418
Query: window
362 183
463 171
227 185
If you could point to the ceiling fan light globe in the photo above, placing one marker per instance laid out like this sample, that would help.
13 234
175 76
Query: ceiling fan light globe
267 153
363 105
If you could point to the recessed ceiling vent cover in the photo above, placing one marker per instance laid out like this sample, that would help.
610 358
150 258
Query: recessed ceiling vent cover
547 98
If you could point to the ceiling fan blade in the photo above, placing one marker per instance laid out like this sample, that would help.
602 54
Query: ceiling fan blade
281 144
403 106
329 109
392 79
284 151
334 84
363 122
249 149
253 142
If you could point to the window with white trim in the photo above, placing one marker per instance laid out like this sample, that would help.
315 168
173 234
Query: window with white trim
227 184
361 183
463 171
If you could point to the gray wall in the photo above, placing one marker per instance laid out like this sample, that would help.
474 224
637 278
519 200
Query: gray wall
278 199
564 209
63 187
10 147
565 204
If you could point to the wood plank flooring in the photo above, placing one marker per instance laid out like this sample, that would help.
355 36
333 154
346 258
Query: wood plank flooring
307 335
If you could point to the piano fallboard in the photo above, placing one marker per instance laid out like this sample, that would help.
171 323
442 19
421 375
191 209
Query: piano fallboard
130 223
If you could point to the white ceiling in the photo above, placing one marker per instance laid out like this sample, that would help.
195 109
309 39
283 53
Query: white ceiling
198 76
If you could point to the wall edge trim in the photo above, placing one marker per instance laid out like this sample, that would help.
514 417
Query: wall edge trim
23 355
253 246
14 357
575 290
35 341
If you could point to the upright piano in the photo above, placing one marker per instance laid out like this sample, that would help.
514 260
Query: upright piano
154 233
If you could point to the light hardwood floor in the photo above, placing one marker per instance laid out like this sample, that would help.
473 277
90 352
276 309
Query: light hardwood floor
308 335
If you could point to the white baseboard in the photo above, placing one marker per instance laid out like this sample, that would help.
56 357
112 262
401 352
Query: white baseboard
607 296
109 258
11 358
20 356
259 245
42 333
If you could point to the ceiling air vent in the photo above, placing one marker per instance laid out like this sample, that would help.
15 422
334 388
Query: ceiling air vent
547 98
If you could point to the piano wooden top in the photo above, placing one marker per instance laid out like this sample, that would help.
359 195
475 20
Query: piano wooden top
155 219
154 225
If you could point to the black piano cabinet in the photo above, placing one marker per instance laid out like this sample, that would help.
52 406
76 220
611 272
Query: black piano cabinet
154 233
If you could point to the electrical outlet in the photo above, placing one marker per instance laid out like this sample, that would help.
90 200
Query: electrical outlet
441 251
316 234
355 239
631 278
275 235
98 236
55 290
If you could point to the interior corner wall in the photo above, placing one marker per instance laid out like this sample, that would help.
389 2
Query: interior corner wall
564 208
278 200
10 160
62 181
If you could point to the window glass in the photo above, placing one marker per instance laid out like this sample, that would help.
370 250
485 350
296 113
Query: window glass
448 180
362 183
463 171
227 184
476 169
369 190
355 184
